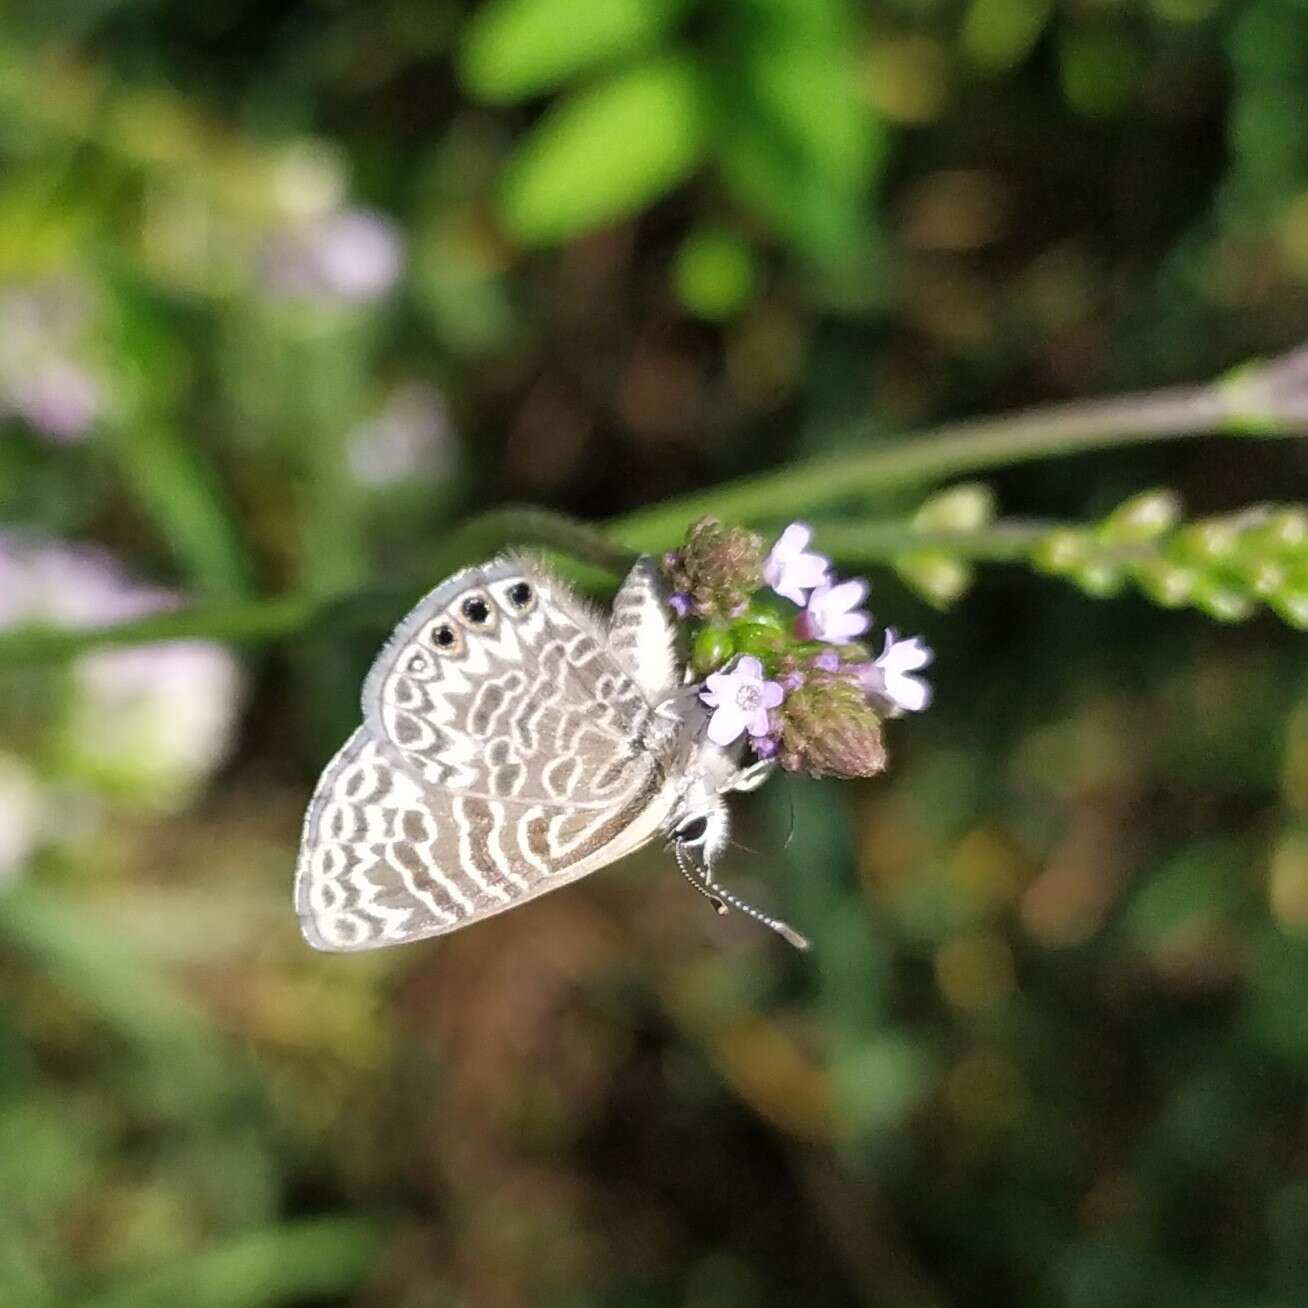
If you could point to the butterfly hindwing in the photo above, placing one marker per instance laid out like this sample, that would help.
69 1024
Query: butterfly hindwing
385 860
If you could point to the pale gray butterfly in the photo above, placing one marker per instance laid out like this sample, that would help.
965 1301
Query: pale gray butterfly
513 741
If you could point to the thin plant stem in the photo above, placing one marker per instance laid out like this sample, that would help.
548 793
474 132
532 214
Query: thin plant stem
951 450
1256 400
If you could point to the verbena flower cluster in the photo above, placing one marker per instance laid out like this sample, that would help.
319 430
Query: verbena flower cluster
777 639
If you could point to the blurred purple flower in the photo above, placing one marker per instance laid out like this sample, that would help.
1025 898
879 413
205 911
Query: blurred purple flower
833 615
58 399
888 677
153 719
740 700
353 256
791 568
410 438
42 381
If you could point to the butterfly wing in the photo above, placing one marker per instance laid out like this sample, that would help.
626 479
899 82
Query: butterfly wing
641 632
501 685
385 860
507 749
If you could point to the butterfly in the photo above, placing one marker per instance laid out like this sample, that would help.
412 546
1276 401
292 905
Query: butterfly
513 741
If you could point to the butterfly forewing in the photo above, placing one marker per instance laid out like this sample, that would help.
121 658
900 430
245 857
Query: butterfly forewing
500 685
506 750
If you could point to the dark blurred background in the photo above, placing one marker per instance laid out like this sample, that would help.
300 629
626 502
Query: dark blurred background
289 288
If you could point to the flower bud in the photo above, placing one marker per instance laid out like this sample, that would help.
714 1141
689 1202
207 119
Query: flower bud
1292 605
969 506
1099 577
1165 583
827 728
1062 550
759 638
718 567
1221 601
712 648
1142 518
939 578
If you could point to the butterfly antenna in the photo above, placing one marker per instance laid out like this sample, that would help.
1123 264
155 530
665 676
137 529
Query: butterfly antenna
720 897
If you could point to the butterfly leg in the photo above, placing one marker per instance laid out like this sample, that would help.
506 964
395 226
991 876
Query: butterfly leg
752 777
701 884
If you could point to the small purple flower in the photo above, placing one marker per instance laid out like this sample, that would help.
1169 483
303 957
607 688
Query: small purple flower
791 569
359 254
740 700
889 676
344 256
765 746
833 615
59 399
409 439
681 604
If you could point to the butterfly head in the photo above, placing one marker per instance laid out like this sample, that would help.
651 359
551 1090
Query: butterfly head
699 830
699 826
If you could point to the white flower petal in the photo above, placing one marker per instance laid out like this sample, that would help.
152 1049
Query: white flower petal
726 725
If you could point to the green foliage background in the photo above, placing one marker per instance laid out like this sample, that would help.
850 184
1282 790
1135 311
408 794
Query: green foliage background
1051 1046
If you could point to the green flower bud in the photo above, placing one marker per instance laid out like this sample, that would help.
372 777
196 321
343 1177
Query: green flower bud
1288 527
966 507
827 728
1211 541
1142 518
1165 583
766 616
939 578
1292 605
1062 550
1263 576
712 648
758 638
1221 601
718 567
1100 578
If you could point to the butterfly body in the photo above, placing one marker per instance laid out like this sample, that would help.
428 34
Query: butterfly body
512 742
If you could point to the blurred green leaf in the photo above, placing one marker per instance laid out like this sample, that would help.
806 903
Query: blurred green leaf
715 274
1101 71
607 151
163 466
999 34
512 49
135 999
276 1265
800 144
1193 889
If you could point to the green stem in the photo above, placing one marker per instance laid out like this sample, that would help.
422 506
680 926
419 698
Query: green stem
1256 400
265 620
950 450
268 620
884 542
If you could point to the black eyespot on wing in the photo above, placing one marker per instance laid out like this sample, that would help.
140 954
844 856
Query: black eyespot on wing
520 595
475 609
692 832
444 636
